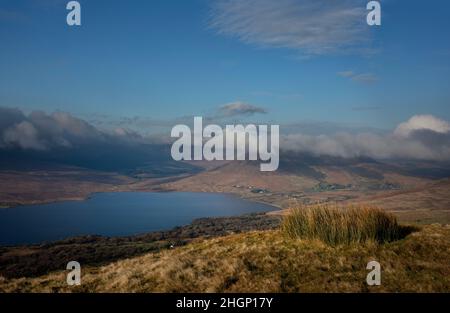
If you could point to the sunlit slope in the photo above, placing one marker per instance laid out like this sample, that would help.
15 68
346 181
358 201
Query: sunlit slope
268 261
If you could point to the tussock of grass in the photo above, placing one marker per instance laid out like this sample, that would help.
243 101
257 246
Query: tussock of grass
337 225
266 261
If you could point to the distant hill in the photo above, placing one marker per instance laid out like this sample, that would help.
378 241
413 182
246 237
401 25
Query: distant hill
153 160
60 174
309 178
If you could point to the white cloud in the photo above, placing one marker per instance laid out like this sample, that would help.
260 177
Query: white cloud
421 138
312 27
40 131
25 135
422 122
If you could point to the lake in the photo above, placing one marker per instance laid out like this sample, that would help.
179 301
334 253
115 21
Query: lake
116 214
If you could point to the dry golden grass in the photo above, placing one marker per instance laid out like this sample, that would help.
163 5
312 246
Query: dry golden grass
334 225
268 262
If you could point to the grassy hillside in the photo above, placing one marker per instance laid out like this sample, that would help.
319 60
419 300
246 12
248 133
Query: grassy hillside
268 261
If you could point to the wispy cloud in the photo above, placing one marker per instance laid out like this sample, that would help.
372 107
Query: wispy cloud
312 27
366 78
149 126
346 74
238 108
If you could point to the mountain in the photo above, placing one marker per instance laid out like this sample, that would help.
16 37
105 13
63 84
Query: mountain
71 174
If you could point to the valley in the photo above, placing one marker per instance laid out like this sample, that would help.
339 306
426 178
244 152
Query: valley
416 195
415 192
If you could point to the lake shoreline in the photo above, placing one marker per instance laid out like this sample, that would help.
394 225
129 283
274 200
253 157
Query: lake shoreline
155 190
117 214
33 259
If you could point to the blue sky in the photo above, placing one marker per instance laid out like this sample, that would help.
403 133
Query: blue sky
168 59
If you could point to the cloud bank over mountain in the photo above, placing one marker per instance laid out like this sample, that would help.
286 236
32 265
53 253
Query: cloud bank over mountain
421 123
41 131
422 137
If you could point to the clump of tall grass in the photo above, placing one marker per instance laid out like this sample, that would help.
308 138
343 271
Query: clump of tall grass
338 225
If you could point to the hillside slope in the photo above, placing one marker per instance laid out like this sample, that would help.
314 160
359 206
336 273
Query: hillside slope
266 261
425 205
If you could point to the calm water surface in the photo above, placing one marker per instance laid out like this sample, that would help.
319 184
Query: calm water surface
116 214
